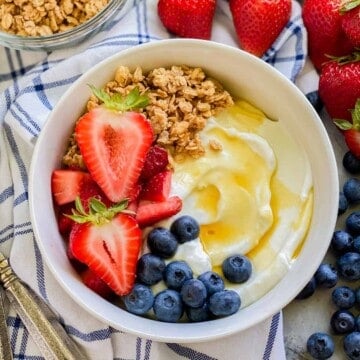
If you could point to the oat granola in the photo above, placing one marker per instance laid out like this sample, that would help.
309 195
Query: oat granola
181 98
46 17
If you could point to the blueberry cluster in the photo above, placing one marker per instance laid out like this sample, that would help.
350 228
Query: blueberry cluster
345 245
202 298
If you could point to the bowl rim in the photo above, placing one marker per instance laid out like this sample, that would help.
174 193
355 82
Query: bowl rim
193 332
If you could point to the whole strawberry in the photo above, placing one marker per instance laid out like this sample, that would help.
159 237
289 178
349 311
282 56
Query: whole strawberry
350 21
322 19
259 22
188 18
351 129
339 85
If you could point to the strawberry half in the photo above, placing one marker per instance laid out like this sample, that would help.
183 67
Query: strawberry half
66 184
351 130
158 187
114 142
149 213
92 281
156 161
108 241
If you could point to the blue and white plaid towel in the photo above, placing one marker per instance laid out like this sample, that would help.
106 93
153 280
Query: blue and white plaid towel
30 86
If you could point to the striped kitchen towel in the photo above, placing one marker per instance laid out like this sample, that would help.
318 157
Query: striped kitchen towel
30 85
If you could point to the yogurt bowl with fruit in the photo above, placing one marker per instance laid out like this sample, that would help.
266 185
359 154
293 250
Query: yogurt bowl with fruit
186 198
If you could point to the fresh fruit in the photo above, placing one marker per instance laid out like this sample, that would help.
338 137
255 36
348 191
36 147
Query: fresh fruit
320 345
66 185
259 22
150 269
237 268
156 161
352 223
308 290
224 303
351 345
168 306
341 242
193 293
114 144
162 242
339 87
322 19
157 188
343 203
201 313
185 228
149 213
351 163
343 297
108 241
188 18
92 281
342 322
350 21
176 273
212 281
326 275
351 129
351 190
348 266
140 300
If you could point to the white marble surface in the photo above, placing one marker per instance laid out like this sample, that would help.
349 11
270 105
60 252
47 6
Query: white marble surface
304 317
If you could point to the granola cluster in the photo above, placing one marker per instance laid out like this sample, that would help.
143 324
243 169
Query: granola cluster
46 17
181 100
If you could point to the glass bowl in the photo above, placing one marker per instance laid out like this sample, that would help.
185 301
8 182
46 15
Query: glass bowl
66 38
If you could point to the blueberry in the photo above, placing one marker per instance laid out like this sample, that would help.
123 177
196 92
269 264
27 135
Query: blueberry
351 190
326 276
352 223
343 203
168 306
352 345
342 322
320 346
357 296
224 303
351 163
308 290
341 242
237 268
348 266
212 281
140 300
162 242
343 297
357 323
176 273
185 228
356 244
315 100
198 314
150 269
193 293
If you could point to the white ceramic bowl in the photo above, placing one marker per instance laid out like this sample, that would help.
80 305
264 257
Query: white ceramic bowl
245 76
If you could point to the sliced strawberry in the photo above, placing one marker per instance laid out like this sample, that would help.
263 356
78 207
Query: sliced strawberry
114 146
65 224
66 184
158 187
91 189
92 281
156 161
149 213
110 250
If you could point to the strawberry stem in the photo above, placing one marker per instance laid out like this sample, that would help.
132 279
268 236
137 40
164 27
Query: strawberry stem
98 213
349 5
133 100
346 59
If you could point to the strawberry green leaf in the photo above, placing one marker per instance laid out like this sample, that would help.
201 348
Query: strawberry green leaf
349 5
118 102
343 124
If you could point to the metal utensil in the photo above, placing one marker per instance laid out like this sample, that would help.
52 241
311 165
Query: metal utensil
39 319
5 348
